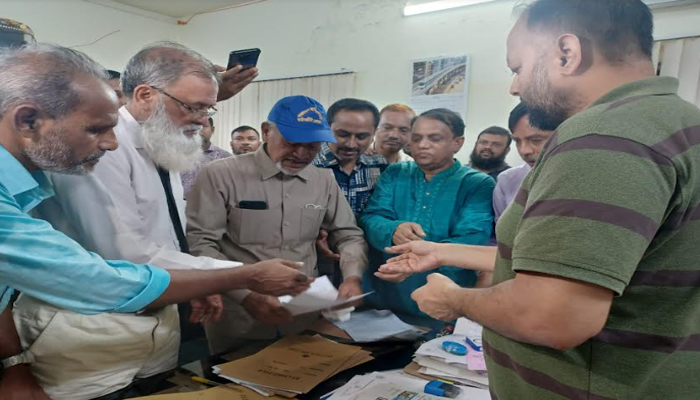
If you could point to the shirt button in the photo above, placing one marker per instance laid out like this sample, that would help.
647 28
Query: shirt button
427 194
286 223
424 207
286 195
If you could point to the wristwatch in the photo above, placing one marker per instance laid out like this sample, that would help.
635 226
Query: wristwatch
25 357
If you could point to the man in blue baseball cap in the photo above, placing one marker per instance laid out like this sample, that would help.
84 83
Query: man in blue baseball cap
273 203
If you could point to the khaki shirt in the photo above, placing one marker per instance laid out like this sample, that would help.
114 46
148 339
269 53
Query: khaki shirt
298 207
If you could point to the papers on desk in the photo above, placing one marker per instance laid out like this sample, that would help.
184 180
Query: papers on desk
227 392
385 385
321 295
375 325
292 365
432 360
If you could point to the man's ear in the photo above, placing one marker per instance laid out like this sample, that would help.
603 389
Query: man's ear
571 55
458 142
144 96
27 119
264 129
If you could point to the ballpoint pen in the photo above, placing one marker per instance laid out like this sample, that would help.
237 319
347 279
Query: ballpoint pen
473 345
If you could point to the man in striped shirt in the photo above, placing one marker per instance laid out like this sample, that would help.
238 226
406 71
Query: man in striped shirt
596 288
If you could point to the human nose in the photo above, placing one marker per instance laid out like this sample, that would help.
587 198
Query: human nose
108 142
515 87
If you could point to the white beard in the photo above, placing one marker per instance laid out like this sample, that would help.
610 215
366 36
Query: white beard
168 145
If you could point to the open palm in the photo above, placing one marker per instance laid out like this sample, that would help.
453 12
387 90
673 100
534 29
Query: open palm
417 256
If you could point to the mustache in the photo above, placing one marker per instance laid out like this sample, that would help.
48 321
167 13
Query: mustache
348 149
94 157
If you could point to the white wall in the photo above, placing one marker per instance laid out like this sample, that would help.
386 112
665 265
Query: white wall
302 37
74 22
371 37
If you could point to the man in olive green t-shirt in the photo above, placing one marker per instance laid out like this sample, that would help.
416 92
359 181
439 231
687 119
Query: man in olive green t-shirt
596 287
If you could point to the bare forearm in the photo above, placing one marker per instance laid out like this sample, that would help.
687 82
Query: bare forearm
187 285
497 309
477 258
9 340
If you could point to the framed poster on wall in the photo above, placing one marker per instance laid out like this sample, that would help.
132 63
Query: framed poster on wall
440 82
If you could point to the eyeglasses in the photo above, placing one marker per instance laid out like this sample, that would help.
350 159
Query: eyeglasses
198 113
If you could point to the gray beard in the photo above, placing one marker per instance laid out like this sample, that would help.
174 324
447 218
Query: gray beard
168 145
52 154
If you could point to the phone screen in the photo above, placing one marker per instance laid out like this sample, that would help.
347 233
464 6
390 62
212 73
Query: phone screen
247 58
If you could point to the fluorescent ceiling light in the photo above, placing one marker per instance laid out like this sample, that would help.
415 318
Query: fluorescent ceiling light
439 5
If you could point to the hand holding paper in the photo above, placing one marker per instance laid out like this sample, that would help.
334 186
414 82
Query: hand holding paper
322 295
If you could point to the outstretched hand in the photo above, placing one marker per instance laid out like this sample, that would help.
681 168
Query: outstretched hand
417 256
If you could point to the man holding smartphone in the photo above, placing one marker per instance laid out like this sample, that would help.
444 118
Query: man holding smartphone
272 203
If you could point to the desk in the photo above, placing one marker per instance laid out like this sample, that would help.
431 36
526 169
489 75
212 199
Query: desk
389 355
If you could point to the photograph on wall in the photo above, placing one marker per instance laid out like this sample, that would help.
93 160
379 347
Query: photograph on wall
441 82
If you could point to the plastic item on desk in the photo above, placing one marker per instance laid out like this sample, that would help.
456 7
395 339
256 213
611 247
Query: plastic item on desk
472 344
454 348
442 389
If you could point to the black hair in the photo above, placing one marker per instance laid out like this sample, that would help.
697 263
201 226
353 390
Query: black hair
516 115
243 128
448 117
353 105
497 130
617 28
112 74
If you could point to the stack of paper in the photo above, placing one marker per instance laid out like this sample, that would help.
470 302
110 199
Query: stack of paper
433 361
224 392
293 365
321 295
392 385
375 325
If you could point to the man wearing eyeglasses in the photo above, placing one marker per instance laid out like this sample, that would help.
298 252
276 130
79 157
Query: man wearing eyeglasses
131 207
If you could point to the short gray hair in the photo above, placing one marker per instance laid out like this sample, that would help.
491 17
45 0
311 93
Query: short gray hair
162 63
43 74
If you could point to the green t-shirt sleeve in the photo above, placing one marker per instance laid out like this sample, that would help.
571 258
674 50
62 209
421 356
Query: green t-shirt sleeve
592 211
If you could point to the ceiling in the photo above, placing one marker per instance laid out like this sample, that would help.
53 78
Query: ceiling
180 8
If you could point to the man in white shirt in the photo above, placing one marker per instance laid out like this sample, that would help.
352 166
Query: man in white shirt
131 207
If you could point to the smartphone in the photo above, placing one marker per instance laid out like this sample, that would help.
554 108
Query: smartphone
248 58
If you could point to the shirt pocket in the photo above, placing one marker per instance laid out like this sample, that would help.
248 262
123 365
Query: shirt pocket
311 220
250 226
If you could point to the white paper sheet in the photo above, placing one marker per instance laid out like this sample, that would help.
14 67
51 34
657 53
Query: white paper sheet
321 295
406 382
434 349
375 325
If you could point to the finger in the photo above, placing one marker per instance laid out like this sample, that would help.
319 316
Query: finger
196 315
217 312
301 278
396 268
413 237
322 235
398 249
219 68
390 277
419 231
227 74
333 256
291 264
435 277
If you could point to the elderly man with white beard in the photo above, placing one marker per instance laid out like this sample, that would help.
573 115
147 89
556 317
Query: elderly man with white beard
131 206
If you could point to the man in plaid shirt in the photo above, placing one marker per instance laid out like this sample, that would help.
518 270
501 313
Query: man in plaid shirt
353 123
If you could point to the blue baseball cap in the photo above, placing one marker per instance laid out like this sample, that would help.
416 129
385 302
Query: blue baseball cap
301 119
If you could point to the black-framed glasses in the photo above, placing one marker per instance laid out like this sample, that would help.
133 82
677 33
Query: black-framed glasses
198 113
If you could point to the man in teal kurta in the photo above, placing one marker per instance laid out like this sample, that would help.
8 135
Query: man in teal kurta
435 198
